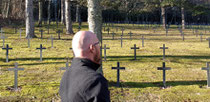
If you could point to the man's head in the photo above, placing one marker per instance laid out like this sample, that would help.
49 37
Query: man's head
85 44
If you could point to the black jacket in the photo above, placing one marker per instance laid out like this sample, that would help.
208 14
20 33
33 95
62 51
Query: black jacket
81 83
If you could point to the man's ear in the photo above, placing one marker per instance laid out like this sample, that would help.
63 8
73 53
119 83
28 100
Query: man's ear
91 48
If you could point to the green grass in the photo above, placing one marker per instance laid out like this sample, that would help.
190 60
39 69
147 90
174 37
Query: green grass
141 81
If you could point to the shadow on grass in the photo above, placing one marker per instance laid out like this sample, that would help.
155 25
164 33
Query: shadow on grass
34 59
158 84
125 58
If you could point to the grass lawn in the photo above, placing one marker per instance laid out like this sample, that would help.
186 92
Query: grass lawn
140 81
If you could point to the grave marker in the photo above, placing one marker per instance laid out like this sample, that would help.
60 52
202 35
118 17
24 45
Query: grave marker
134 50
121 40
130 33
59 35
16 69
122 29
163 50
105 48
3 38
142 41
20 32
108 30
41 48
164 68
7 52
113 35
118 73
41 31
67 66
208 76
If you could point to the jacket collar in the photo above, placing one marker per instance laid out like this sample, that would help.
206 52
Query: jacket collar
85 62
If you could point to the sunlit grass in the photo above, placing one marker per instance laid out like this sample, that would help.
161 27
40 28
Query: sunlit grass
141 81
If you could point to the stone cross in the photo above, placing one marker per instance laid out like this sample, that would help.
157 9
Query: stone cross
7 52
121 38
59 35
164 68
41 48
130 33
134 50
108 30
20 32
41 30
3 38
182 36
16 69
142 41
79 28
105 48
67 66
51 38
166 31
113 35
122 29
118 73
163 50
209 41
208 74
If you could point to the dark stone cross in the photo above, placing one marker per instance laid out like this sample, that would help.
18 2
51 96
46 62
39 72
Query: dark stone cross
59 34
108 30
41 31
67 66
142 41
208 74
113 35
209 41
3 38
105 48
163 50
41 48
7 52
118 73
79 28
130 33
16 69
121 39
134 50
164 68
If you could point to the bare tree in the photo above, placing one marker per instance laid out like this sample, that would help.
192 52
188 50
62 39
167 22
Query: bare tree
69 29
29 19
63 11
163 16
40 13
95 20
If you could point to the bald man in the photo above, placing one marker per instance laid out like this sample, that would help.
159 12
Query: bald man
81 82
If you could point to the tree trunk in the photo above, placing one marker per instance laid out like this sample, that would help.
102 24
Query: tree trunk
40 13
29 19
163 16
55 12
95 21
183 18
63 11
78 19
69 29
49 11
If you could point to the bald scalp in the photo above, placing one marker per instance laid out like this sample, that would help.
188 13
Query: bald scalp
82 41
